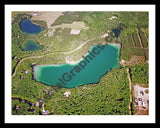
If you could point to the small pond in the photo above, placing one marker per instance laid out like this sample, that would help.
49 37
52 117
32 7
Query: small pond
31 45
28 27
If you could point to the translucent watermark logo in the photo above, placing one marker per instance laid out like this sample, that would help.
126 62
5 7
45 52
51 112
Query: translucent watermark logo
68 76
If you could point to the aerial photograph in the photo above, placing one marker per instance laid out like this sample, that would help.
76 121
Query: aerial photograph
79 63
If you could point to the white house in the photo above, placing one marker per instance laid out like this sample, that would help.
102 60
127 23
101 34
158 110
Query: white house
67 94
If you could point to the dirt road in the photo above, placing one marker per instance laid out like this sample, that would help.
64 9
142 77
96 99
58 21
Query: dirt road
52 53
130 88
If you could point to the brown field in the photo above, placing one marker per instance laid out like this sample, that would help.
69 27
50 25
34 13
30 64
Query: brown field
135 60
76 25
48 16
14 13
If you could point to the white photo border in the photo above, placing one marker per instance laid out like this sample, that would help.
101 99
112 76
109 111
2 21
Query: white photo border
79 118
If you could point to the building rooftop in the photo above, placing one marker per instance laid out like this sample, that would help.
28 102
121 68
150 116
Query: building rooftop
26 71
45 112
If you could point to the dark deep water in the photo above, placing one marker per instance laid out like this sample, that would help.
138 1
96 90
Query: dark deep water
116 32
29 28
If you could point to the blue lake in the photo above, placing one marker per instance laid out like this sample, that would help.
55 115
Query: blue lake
99 60
31 45
29 28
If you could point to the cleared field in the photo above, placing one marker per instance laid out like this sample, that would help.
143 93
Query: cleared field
68 17
48 17
14 13
143 34
138 52
135 60
141 99
130 40
136 40
76 25
143 39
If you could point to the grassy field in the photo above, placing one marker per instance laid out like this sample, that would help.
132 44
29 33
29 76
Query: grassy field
136 40
75 25
67 17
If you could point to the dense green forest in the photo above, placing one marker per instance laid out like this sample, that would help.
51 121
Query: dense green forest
140 74
108 97
21 108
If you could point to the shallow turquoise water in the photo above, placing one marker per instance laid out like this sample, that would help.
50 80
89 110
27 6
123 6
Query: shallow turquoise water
99 60
31 45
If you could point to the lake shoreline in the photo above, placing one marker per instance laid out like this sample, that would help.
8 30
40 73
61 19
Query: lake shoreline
113 44
67 76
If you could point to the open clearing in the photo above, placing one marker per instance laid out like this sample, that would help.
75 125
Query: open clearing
49 17
76 25
141 99
135 60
